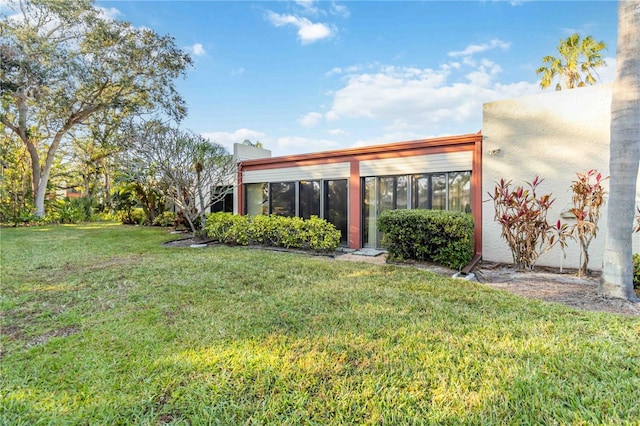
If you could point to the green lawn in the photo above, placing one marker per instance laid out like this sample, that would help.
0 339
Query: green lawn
103 325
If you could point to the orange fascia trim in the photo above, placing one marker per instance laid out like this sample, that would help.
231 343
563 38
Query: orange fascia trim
392 150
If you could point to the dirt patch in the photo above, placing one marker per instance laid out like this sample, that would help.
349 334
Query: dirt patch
546 284
44 338
553 286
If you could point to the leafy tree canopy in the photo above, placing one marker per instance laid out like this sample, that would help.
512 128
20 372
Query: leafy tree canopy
575 65
66 61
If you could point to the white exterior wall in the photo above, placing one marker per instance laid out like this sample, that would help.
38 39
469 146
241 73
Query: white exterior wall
289 174
553 135
242 152
446 162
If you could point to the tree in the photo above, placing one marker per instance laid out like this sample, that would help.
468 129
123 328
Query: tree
95 149
194 172
15 192
617 273
576 64
63 62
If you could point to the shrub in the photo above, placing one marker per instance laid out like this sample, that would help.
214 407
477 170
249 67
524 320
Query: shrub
443 237
134 216
523 217
273 231
67 211
263 230
588 198
636 271
228 228
165 219
321 235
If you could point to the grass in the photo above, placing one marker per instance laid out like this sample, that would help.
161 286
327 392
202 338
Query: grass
103 325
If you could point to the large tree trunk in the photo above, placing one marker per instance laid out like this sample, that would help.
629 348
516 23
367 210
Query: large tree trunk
617 274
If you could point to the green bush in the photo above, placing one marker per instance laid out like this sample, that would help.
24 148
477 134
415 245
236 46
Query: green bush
228 228
68 211
321 235
131 217
443 237
165 219
263 230
273 231
636 271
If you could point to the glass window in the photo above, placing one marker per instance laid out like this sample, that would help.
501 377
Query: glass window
309 199
420 192
224 200
369 216
257 199
282 196
439 191
385 193
460 191
401 192
336 205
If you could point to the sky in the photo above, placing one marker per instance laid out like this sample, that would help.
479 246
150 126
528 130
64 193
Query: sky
308 76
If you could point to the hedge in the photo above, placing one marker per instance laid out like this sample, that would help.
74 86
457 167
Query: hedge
439 236
273 231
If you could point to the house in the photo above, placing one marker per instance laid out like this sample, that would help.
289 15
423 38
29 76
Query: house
351 187
551 135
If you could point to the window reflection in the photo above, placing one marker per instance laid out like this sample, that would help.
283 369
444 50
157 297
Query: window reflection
283 198
257 198
309 199
336 205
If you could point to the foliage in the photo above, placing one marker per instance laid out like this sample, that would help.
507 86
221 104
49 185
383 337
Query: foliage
576 64
523 217
636 271
16 195
255 337
71 210
138 188
320 234
64 62
228 228
134 216
274 231
588 198
165 219
187 166
443 237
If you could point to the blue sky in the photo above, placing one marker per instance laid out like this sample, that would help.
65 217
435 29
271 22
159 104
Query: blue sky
309 76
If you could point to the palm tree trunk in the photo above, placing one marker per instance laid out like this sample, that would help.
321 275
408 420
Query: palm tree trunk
617 274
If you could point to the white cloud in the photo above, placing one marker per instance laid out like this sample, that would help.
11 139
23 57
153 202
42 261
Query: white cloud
340 10
308 32
336 132
108 14
227 139
311 119
198 49
308 6
237 72
347 70
477 48
409 102
297 144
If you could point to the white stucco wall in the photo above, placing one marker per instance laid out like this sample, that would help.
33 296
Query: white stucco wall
552 135
243 152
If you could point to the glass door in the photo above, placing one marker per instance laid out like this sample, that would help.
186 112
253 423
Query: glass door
336 207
